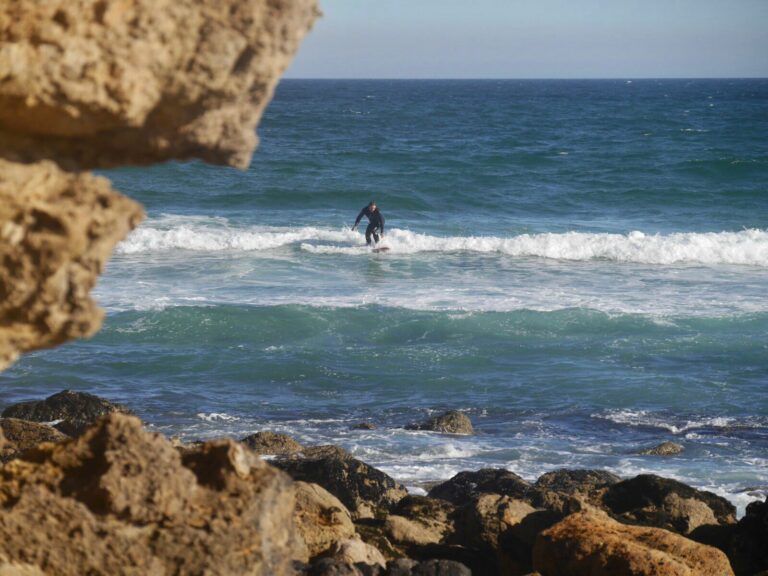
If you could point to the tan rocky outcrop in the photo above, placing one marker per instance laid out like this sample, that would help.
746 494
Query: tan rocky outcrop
22 436
320 518
119 500
592 544
92 83
95 83
57 230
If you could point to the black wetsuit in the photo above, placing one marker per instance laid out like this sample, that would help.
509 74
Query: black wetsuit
375 224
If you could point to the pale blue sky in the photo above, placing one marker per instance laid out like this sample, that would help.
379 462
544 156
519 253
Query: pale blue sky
536 39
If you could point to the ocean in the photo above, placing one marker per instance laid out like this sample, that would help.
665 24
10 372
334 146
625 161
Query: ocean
579 266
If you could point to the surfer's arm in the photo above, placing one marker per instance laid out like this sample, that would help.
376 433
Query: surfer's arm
359 217
381 228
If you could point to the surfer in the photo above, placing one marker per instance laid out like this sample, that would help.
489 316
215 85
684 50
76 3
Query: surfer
375 223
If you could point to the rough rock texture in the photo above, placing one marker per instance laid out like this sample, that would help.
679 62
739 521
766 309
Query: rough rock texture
271 443
451 422
57 230
419 521
748 549
469 484
22 436
663 449
72 411
591 544
320 518
360 487
655 501
119 500
93 84
355 551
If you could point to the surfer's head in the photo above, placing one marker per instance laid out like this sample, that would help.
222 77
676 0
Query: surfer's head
372 205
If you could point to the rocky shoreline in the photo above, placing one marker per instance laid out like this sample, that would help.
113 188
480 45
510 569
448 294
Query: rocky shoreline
97 493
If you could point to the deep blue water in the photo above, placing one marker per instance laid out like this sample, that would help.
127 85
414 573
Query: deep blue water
581 266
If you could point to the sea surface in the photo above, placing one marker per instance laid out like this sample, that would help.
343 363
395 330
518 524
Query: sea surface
579 266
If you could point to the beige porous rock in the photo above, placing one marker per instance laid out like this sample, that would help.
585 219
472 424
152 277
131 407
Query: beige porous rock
96 83
355 551
119 500
320 518
57 230
22 436
592 544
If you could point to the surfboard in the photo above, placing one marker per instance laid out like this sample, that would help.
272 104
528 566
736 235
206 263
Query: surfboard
381 249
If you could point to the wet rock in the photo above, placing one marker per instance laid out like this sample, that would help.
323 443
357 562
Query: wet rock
320 518
573 482
360 487
451 422
467 485
364 426
121 497
271 443
72 411
592 544
22 435
748 549
663 449
651 500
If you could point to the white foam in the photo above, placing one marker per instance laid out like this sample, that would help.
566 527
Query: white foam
676 426
171 233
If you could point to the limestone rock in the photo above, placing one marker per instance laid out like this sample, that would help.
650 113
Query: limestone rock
355 551
57 230
577 482
488 516
271 443
360 487
591 544
320 518
469 484
664 503
93 84
418 520
664 449
451 422
72 411
22 436
119 500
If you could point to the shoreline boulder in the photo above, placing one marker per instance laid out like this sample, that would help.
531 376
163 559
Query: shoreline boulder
451 422
361 488
120 500
70 412
592 544
23 435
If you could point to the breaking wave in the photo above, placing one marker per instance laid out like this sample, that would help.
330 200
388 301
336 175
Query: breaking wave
168 234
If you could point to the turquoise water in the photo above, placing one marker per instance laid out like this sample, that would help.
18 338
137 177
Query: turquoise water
581 266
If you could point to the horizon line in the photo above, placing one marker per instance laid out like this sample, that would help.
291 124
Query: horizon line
491 78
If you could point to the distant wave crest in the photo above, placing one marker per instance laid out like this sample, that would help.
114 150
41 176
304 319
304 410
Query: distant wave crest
746 247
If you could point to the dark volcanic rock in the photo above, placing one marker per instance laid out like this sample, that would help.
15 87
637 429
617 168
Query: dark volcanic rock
651 500
74 411
748 549
663 449
451 422
467 485
271 443
22 435
360 487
